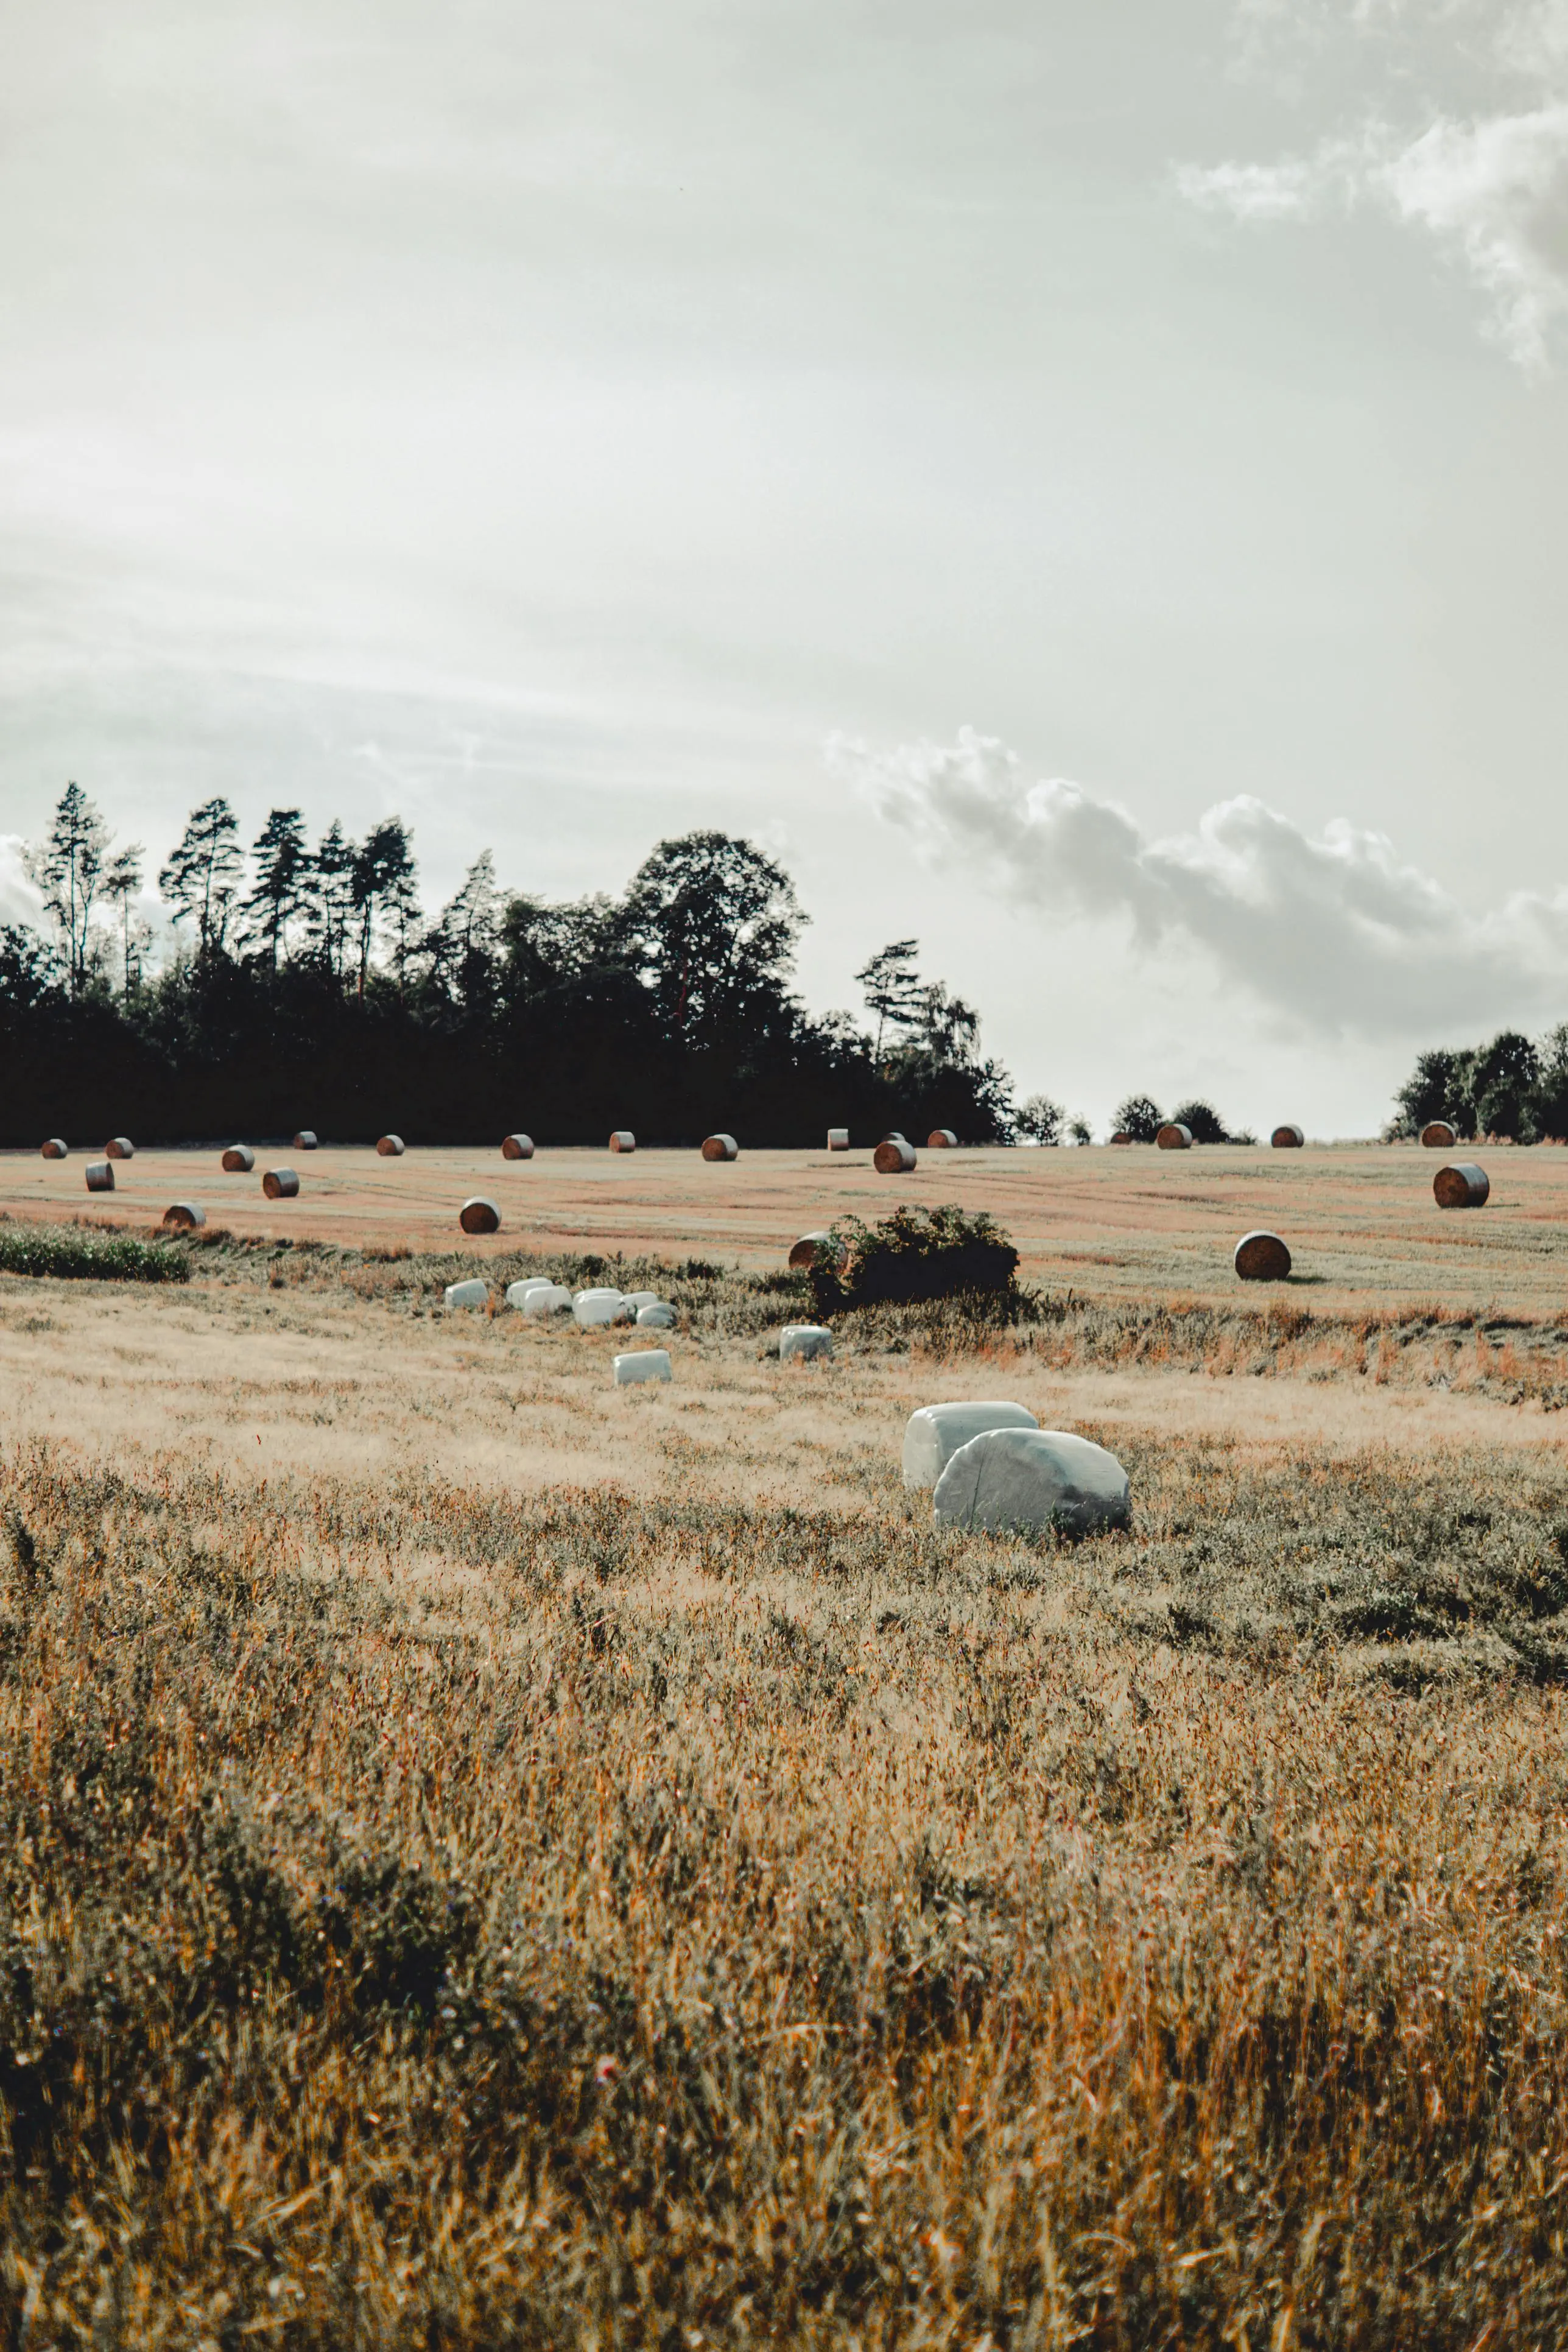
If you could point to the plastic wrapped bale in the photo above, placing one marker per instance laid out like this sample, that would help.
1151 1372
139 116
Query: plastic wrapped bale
942 1138
517 1146
100 1175
721 1147
1262 1257
1438 1136
479 1216
551 1299
1023 1478
54 1149
1461 1185
933 1434
472 1293
305 1139
239 1159
520 1293
593 1308
891 1159
391 1146
622 1140
1175 1136
635 1298
280 1184
1288 1137
658 1315
805 1343
805 1251
838 1139
184 1216
644 1364
120 1147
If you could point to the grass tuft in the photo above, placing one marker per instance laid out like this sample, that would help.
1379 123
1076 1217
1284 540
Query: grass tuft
89 1254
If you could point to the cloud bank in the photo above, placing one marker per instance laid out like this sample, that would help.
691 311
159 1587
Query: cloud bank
1335 933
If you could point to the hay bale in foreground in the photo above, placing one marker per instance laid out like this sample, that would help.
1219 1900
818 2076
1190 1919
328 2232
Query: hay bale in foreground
1028 1478
942 1138
721 1147
893 1159
644 1364
120 1147
479 1216
595 1308
1461 1185
1288 1137
391 1146
101 1176
622 1140
280 1184
1438 1135
934 1434
1262 1257
239 1159
805 1343
838 1139
184 1216
1175 1136
658 1315
804 1253
305 1139
54 1149
516 1147
469 1294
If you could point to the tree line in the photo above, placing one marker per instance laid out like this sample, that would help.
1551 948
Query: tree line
1515 1086
306 987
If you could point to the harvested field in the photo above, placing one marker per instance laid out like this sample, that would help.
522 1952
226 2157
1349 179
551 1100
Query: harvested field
490 1857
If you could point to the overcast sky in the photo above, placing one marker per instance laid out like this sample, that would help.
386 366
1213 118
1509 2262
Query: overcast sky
1083 485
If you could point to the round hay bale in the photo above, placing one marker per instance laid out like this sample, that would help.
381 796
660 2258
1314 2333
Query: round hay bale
391 1146
516 1147
305 1139
643 1364
1121 1136
805 1343
479 1216
120 1147
1174 1137
721 1147
804 1253
280 1184
239 1159
1262 1257
1438 1136
1461 1185
184 1216
622 1140
895 1135
56 1148
1033 1478
934 1434
520 1293
838 1139
469 1294
893 1159
658 1315
1288 1137
942 1138
100 1175
547 1298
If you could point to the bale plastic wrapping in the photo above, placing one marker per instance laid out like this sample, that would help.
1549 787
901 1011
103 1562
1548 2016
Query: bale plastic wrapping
1028 1478
280 1184
646 1364
934 1434
100 1175
239 1159
891 1159
517 1146
721 1147
54 1149
184 1216
470 1294
804 1343
391 1146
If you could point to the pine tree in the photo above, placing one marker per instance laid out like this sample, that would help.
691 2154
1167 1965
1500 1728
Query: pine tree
202 877
891 988
69 868
121 881
382 878
282 861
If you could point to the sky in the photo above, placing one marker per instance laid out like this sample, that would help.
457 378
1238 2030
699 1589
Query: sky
1085 487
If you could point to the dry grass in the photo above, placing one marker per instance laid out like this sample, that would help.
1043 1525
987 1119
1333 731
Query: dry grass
695 1904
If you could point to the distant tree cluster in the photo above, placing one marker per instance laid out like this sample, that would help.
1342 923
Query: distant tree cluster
1140 1119
1514 1086
308 986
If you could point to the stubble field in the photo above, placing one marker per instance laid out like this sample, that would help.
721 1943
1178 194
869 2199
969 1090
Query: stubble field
489 1857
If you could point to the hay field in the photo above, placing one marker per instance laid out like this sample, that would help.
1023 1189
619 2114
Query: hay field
492 1858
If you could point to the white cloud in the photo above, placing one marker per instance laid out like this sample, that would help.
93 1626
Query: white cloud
1335 931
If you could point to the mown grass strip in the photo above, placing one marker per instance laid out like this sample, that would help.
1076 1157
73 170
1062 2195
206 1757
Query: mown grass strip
78 1253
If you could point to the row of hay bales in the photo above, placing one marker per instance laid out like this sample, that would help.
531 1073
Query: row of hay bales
539 1297
1176 1136
895 1155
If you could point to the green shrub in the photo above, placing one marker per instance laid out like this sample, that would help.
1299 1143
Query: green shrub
915 1254
82 1253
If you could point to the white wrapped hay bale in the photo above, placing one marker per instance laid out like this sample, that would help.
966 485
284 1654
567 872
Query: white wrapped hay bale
622 1140
239 1159
894 1158
658 1315
1262 1257
520 1293
100 1175
1175 1136
838 1139
933 1434
120 1147
470 1294
721 1147
1022 1478
1288 1137
805 1343
280 1184
593 1308
942 1138
1438 1136
644 1364
635 1298
1462 1185
811 1247
305 1139
517 1146
479 1216
56 1148
391 1146
548 1298
184 1216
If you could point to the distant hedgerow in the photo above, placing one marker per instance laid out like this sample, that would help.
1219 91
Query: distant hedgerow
77 1251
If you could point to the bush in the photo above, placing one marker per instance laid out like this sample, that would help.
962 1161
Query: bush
80 1253
1204 1124
1140 1118
915 1254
